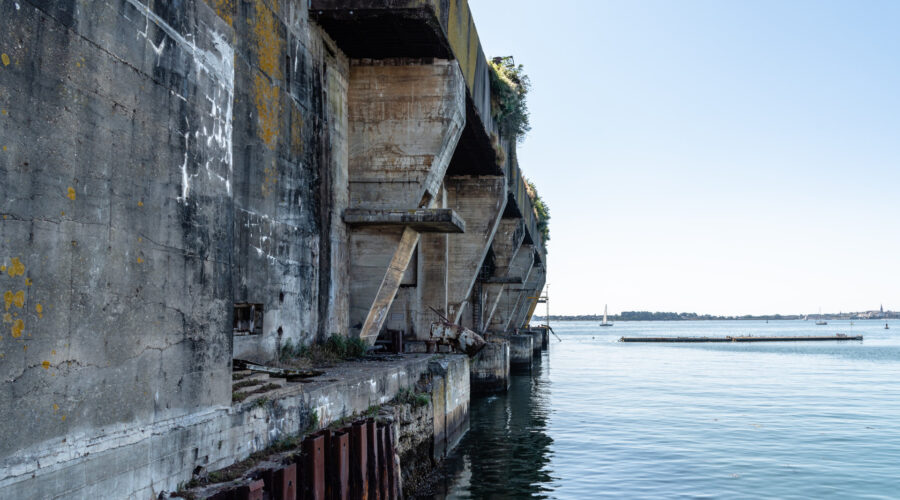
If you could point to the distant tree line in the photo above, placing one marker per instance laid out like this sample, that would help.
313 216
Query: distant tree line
664 316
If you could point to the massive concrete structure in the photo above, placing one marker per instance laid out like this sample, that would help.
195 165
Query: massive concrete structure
185 183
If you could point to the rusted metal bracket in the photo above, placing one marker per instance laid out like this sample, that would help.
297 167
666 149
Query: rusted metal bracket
445 332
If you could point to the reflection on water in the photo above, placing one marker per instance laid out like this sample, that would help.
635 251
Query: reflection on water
806 420
507 443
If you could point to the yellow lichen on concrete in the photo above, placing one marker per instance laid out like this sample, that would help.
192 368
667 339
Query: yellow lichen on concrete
55 407
266 93
70 193
17 328
7 299
19 299
5 59
46 365
224 8
39 309
268 43
267 99
16 268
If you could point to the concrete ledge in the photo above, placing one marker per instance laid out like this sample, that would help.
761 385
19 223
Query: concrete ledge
423 220
503 280
145 460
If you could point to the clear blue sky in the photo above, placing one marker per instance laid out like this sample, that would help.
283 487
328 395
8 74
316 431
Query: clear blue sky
723 157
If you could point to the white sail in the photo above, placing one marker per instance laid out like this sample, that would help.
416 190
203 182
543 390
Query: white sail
604 314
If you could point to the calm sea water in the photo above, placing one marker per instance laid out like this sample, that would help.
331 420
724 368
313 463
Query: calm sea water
602 419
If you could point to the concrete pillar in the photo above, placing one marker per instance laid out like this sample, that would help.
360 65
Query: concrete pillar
507 302
405 120
490 368
480 201
537 341
521 353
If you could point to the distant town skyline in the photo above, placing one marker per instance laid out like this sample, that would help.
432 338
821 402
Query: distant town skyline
725 157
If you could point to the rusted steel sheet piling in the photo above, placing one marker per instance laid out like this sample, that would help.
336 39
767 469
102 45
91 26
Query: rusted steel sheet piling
747 338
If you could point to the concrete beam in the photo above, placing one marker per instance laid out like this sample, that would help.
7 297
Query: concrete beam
405 120
480 201
423 220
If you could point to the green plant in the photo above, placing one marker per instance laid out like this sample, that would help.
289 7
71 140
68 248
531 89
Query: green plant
509 88
412 398
313 422
541 211
345 347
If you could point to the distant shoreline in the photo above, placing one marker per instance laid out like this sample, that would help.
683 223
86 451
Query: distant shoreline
887 315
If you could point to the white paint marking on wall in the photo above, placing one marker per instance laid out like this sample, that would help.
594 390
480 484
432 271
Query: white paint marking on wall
218 64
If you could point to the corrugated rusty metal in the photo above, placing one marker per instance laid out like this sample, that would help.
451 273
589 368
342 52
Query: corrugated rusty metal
313 466
392 471
373 460
281 484
255 490
383 481
359 455
338 472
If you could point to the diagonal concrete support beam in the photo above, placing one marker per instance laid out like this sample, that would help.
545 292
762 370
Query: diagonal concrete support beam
525 306
405 118
480 201
389 285
507 302
507 241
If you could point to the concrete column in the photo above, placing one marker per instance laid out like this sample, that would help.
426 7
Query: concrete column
405 120
490 368
480 201
508 300
521 353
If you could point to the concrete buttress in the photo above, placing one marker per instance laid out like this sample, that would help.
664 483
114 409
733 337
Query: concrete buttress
480 201
405 120
520 267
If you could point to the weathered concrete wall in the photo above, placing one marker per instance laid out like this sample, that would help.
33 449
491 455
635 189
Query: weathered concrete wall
142 462
290 183
164 161
115 194
450 396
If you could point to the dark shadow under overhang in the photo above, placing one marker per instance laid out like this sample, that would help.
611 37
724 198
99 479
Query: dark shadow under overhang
388 29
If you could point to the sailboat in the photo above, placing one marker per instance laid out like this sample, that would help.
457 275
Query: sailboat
605 321
821 321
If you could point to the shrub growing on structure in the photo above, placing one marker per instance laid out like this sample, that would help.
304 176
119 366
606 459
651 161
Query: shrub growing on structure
541 211
509 88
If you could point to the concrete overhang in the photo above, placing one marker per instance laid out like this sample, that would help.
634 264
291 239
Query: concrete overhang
386 29
423 220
